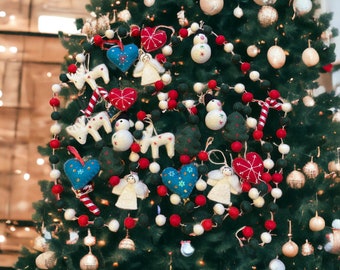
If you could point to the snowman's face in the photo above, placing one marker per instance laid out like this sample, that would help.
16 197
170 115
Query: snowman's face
122 124
214 104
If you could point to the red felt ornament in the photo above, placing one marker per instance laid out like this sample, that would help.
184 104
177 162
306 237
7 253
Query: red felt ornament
212 84
57 189
83 220
175 220
267 177
114 180
152 38
200 200
183 32
220 40
173 94
55 102
247 97
135 147
247 232
184 159
270 225
129 223
172 104
281 133
54 143
72 68
134 30
328 67
236 146
258 135
246 186
143 163
233 212
159 85
203 156
160 58
98 40
277 178
141 115
162 190
207 224
122 99
245 67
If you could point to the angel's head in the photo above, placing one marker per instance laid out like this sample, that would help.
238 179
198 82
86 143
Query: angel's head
226 170
132 178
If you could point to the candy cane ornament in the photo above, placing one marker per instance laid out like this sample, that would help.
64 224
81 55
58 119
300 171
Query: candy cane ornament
83 196
97 93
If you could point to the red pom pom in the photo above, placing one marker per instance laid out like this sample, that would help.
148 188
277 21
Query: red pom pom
266 177
135 147
162 190
54 144
274 94
129 223
160 58
134 30
72 68
233 212
98 40
246 186
159 85
57 189
184 159
277 178
281 133
236 146
257 135
203 155
270 225
200 200
183 32
114 180
175 220
141 115
247 231
247 97
172 104
143 163
207 224
212 84
173 94
245 67
83 220
220 39
328 67
193 110
54 102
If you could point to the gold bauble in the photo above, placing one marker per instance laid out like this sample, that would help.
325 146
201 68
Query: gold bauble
307 249
253 51
296 179
127 243
46 260
336 117
40 244
311 170
89 262
334 167
310 57
265 2
211 7
308 101
316 223
290 249
276 57
267 16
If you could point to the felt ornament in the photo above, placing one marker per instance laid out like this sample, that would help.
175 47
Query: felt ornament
83 126
123 56
148 69
249 168
148 139
201 51
216 118
110 163
180 182
122 99
129 189
152 38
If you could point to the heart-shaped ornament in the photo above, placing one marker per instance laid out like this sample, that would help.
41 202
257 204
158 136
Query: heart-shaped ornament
80 175
123 57
123 99
180 182
249 169
152 39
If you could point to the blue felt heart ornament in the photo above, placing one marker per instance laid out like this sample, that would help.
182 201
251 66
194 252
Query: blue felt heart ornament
180 182
80 175
123 57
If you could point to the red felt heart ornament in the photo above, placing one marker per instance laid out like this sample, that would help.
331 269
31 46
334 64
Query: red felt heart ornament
152 39
249 169
122 99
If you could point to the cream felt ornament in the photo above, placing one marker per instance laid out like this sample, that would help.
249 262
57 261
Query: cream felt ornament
223 182
201 51
122 139
148 69
129 189
216 118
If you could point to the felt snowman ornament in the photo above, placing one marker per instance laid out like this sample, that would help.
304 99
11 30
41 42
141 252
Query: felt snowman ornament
129 189
122 139
201 51
216 118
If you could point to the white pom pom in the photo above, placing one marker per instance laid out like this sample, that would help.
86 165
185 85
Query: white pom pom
336 223
70 214
113 225
259 202
56 88
253 193
254 76
239 88
134 157
80 58
163 105
286 107
162 96
219 209
276 193
194 27
284 148
139 125
198 87
198 229
201 185
109 34
166 78
160 220
276 264
251 122
55 129
266 237
55 174
228 47
268 163
154 167
167 50
175 199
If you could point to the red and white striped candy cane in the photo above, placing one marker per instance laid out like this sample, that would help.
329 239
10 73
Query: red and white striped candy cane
268 103
85 199
99 92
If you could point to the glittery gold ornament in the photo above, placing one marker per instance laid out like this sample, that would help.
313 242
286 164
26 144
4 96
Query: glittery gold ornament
311 170
211 7
253 51
316 223
89 240
310 57
40 244
276 57
46 260
267 16
89 262
308 101
265 2
127 243
296 179
290 249
336 117
307 249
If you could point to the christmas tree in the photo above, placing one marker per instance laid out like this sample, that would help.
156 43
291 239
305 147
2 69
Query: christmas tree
185 135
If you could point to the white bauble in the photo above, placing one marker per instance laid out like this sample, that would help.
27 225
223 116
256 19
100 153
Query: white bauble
194 27
251 122
266 237
162 96
46 260
139 125
267 16
302 7
124 15
167 50
175 199
80 57
166 78
89 240
276 57
253 51
215 119
201 185
287 107
160 220
109 34
259 202
290 249
336 224
284 148
276 264
56 88
238 12
113 225
254 75
149 3
70 214
134 157
219 209
55 174
316 223
186 248
276 193
228 47
253 193
163 105
55 129
122 140
310 57
265 2
211 7
296 179
198 229
154 167
239 88
201 53
198 87
268 163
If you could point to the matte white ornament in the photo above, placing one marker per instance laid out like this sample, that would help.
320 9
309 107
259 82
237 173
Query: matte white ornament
154 167
276 57
46 260
163 105
55 129
198 229
175 199
167 50
160 220
276 193
219 209
109 34
302 7
259 202
310 57
276 264
198 87
55 174
211 7
268 163
254 76
194 27
166 78
267 16
238 12
56 88
124 15
239 88
266 237
122 140
201 185
139 125
201 51
284 148
89 240
253 51
228 47
286 107
149 3
251 122
80 58
70 214
296 179
186 248
113 225
134 157
253 193
336 224
215 119
316 223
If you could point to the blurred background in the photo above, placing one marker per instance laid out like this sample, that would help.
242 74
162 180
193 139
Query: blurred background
30 60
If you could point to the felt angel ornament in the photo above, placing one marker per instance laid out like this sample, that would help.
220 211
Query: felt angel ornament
129 189
223 182
148 69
